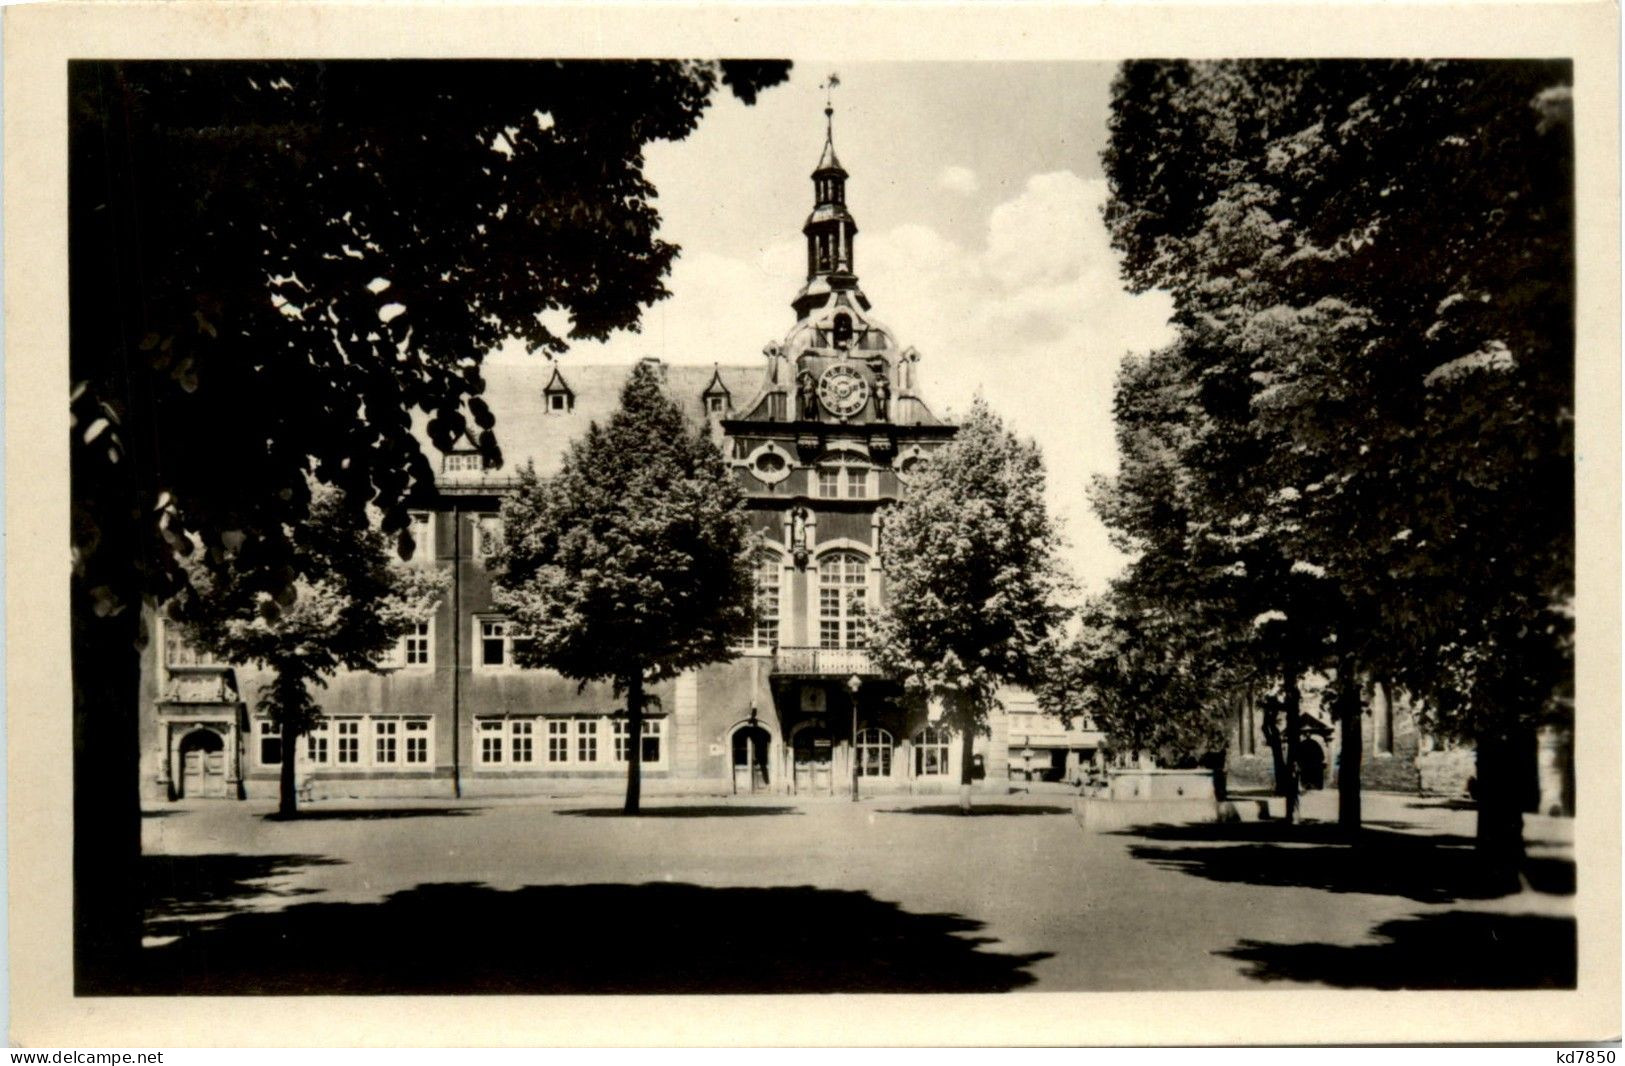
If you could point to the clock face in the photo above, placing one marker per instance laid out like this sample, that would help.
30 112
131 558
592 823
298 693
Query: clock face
843 391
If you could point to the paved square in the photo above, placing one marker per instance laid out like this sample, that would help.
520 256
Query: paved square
779 895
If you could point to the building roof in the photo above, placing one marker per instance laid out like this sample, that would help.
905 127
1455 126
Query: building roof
528 431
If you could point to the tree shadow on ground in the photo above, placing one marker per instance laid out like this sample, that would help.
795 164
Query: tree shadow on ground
1437 868
986 810
1456 949
718 811
1443 803
188 892
600 938
362 814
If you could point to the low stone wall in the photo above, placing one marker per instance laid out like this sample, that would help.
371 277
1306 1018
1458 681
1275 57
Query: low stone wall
1251 771
1390 773
1446 773
1152 784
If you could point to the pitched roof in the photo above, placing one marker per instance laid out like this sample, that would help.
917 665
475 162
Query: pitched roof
528 431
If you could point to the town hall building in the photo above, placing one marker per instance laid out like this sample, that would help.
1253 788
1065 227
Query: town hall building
822 434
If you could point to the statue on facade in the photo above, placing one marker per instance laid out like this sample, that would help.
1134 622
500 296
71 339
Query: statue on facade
807 395
882 394
798 536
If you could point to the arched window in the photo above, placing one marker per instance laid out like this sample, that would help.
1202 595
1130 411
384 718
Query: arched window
874 753
843 600
930 753
766 631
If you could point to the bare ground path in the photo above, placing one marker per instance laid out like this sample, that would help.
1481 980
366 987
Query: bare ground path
777 895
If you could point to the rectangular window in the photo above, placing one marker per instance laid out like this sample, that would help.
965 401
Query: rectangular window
524 734
422 526
558 740
384 734
416 645
617 728
651 740
586 740
417 741
316 743
487 535
270 735
349 730
464 462
557 401
493 643
857 483
829 482
765 633
490 740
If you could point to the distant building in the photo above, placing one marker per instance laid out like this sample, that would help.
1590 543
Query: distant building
821 437
1396 754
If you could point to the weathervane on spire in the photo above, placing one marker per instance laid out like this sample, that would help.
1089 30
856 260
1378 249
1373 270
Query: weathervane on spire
829 86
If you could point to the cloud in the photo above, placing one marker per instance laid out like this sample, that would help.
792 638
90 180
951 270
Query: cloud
961 180
1038 322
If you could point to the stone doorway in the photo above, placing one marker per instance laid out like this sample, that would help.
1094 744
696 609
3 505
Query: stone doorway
203 765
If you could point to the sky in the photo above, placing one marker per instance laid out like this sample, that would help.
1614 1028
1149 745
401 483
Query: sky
977 189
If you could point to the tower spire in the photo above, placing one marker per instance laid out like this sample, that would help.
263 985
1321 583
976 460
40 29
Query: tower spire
830 228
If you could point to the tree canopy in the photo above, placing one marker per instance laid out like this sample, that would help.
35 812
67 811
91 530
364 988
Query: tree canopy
276 267
361 601
973 581
634 562
1372 269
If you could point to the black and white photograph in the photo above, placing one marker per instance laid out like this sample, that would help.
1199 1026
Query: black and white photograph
753 521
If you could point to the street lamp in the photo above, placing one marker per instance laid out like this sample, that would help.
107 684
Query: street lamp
854 683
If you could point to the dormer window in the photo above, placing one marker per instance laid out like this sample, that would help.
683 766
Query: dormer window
557 396
716 398
463 463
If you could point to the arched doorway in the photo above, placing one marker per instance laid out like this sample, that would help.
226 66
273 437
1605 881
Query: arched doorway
751 747
203 764
812 752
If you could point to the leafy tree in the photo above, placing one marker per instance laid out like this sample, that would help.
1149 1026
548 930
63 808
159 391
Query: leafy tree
973 584
276 265
1213 582
1375 259
361 599
633 563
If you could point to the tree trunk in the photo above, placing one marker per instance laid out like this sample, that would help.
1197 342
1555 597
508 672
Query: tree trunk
634 740
967 741
289 713
288 796
1293 701
1349 714
107 882
1500 794
1272 737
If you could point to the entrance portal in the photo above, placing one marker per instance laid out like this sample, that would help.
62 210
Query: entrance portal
750 759
813 753
203 764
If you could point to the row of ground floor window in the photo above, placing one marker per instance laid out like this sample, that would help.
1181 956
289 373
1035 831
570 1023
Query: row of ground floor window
237 755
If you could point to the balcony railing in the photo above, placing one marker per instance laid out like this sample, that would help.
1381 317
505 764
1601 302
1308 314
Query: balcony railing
823 662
